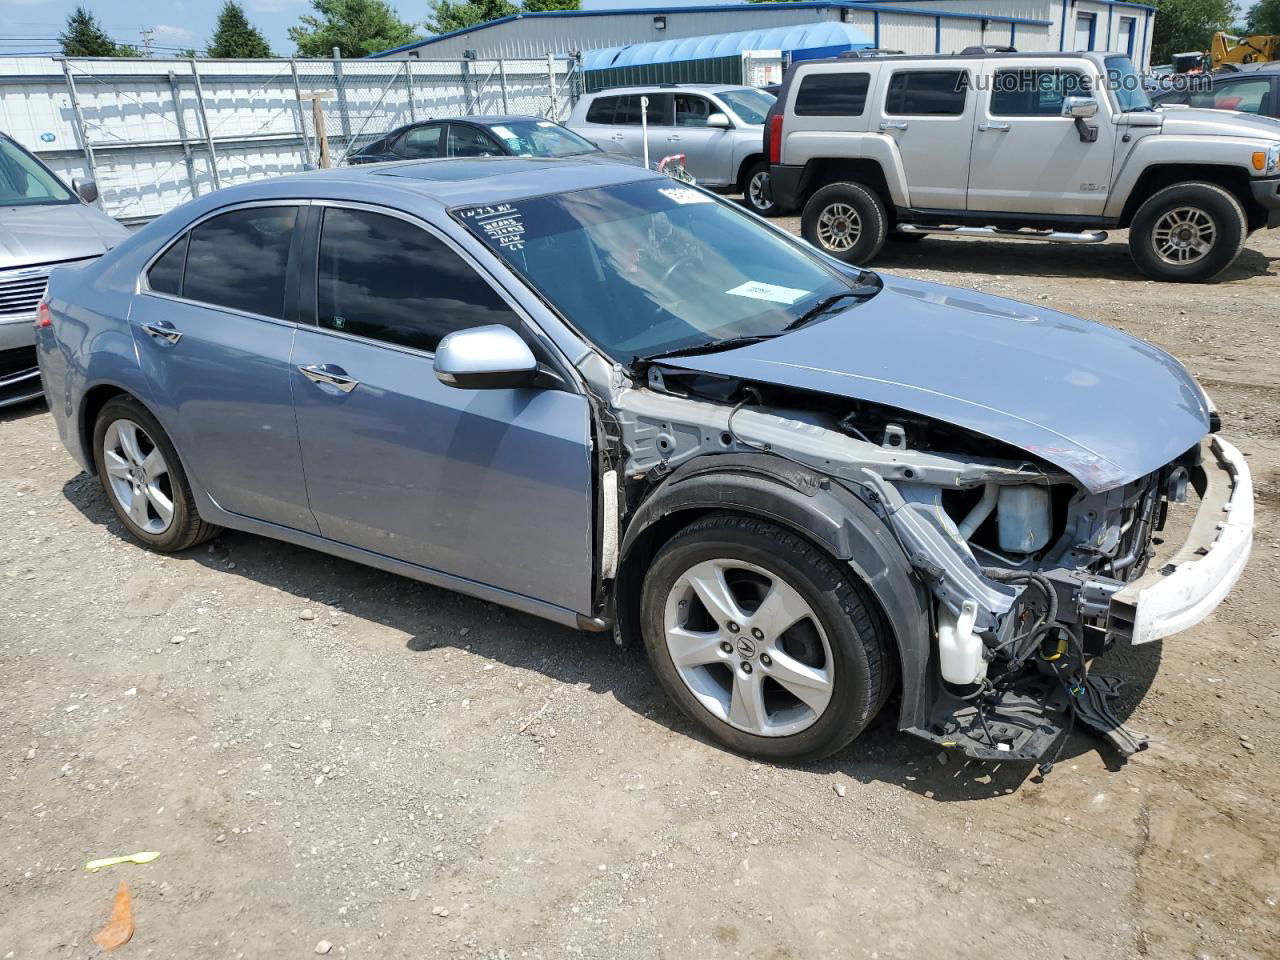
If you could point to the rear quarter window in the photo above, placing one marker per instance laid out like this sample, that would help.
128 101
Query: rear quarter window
602 110
832 95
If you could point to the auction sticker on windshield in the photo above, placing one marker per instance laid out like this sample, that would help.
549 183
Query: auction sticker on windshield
758 290
501 222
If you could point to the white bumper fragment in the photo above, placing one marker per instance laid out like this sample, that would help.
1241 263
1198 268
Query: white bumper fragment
1187 588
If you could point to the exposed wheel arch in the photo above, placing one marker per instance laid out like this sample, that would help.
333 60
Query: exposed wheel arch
94 400
817 509
747 164
1156 178
861 170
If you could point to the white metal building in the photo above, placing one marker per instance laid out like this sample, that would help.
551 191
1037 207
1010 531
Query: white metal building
914 26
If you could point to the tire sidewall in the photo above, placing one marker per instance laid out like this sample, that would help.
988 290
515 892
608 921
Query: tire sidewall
870 210
1220 206
851 707
123 408
756 169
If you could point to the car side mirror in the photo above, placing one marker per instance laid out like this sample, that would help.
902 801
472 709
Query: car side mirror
720 121
1079 108
492 357
86 189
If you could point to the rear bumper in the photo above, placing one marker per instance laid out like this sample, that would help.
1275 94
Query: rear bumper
1187 588
1266 193
787 184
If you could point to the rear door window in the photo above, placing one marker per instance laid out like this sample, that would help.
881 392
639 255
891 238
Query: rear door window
832 95
927 93
165 275
659 109
1249 96
386 279
421 143
468 141
238 260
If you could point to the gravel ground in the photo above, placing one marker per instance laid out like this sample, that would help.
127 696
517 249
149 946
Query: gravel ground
331 758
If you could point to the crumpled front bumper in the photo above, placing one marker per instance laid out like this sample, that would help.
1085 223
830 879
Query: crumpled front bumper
1190 585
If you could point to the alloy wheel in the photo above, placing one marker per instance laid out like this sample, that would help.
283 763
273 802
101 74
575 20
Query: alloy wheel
1183 235
760 191
138 475
839 226
749 647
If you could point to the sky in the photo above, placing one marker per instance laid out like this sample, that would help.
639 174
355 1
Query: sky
32 26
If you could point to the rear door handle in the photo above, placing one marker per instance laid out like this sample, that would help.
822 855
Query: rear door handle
675 137
892 125
162 330
330 375
994 127
616 136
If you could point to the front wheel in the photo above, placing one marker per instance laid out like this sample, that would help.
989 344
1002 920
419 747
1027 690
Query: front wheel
1188 233
847 221
763 640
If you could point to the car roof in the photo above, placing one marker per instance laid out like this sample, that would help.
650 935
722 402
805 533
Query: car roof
669 88
455 181
487 119
864 62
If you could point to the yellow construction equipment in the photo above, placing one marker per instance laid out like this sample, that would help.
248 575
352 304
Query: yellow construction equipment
1226 49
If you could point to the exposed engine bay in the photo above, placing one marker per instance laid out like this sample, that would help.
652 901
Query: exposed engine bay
1020 560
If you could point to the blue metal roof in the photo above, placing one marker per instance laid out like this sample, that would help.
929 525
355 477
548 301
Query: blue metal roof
825 35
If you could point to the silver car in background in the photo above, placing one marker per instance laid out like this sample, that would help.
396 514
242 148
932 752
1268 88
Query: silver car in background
42 225
718 127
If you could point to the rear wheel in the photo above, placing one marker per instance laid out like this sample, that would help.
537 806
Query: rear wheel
847 221
758 192
1189 232
143 478
763 640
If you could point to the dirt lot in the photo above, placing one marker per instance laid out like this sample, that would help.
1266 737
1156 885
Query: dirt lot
322 752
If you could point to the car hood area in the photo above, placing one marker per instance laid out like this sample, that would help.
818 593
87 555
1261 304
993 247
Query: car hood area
1105 407
54 232
1194 121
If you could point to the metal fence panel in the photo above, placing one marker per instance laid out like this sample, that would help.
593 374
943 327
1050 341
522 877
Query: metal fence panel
156 133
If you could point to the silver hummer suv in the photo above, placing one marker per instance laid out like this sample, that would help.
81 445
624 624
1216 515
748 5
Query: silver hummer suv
1043 146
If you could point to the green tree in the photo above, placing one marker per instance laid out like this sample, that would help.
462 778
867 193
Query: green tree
236 38
84 37
1264 17
447 15
1186 25
539 6
356 27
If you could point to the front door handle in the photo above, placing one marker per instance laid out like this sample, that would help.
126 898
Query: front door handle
617 136
674 138
994 127
162 330
330 375
892 125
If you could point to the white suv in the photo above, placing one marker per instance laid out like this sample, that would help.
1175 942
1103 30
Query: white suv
1036 146
719 129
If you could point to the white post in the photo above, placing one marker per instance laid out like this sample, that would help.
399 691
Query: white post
644 128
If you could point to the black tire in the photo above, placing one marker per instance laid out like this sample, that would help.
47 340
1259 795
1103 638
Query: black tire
871 226
1217 206
186 529
861 652
754 198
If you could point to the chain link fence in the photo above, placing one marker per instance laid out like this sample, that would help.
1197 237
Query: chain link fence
156 133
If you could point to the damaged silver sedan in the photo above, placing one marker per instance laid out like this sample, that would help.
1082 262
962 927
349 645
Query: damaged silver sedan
616 401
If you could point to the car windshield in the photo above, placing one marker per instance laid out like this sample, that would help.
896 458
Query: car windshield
541 138
750 105
1127 86
25 182
649 267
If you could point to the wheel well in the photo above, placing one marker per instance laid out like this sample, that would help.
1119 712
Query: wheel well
630 579
1232 179
820 173
93 403
747 164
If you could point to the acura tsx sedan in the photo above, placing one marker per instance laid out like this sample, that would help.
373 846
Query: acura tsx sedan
606 398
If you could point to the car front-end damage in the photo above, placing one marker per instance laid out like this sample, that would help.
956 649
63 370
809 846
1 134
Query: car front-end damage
1028 573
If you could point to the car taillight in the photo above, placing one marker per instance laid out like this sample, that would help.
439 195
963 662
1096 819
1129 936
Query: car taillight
44 316
775 138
